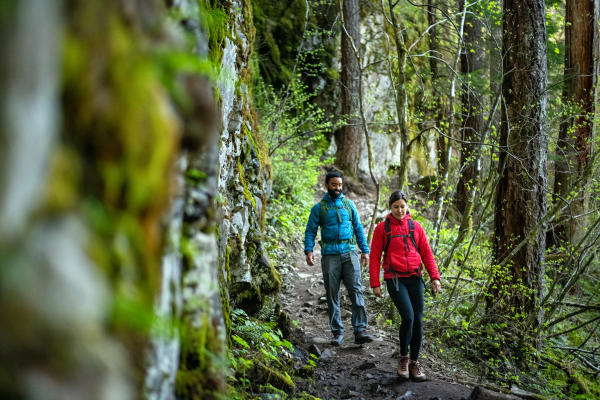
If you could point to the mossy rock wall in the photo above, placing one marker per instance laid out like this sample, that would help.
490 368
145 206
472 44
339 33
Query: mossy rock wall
128 138
91 137
227 187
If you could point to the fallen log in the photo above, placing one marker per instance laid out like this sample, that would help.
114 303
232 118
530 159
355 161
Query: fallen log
480 393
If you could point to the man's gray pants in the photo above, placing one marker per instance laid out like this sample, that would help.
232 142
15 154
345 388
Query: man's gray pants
337 268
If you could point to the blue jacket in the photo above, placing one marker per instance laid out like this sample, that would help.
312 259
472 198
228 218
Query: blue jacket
333 230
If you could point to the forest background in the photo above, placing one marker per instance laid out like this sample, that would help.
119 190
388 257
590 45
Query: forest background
162 157
504 97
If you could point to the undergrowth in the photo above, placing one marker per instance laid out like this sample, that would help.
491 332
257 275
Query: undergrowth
469 325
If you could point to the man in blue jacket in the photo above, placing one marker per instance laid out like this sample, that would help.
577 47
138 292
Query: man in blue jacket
341 231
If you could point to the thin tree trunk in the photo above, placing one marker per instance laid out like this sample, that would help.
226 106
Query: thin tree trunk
520 196
445 190
348 138
471 61
435 106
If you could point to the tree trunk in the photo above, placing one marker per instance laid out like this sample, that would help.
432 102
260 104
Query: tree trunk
348 138
401 100
471 61
435 107
520 196
575 134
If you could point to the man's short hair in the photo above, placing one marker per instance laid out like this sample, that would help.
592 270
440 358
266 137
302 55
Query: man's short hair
332 174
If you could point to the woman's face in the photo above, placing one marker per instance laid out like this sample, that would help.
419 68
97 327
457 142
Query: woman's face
399 209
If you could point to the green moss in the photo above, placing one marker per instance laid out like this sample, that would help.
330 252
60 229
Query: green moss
216 21
227 269
306 396
122 152
258 143
195 176
306 371
273 282
249 294
247 194
200 371
224 282
62 191
271 376
264 273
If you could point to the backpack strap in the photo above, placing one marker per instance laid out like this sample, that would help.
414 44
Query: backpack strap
349 208
411 233
388 234
324 209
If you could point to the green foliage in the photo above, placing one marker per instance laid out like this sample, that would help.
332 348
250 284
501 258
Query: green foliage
293 128
495 337
259 355
256 334
284 49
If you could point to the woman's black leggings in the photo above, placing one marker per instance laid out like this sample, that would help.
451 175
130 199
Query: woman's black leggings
407 295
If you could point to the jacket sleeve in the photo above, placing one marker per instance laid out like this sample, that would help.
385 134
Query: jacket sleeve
375 256
311 228
361 241
426 253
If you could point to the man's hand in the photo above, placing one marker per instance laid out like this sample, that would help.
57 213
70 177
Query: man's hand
310 258
364 259
377 291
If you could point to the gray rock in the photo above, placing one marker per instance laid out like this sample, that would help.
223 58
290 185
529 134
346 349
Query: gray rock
326 354
406 396
366 365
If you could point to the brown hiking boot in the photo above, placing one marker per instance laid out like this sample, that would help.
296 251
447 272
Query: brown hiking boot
403 367
415 371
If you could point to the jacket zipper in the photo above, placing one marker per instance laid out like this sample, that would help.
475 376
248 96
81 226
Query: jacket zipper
406 253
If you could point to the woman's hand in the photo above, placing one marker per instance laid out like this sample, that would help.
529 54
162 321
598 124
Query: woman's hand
377 291
436 285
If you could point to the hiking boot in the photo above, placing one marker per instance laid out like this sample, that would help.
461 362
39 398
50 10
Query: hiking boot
415 371
362 337
337 339
403 367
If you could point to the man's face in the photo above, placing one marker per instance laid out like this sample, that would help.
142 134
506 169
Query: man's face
334 187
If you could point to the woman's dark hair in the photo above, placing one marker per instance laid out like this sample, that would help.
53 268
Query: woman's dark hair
332 174
397 195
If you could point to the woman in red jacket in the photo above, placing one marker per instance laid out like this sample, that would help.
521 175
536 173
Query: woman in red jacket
403 254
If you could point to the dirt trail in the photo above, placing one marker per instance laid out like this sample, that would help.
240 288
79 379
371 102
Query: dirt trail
353 371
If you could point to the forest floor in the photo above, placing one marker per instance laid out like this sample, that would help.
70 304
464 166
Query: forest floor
353 371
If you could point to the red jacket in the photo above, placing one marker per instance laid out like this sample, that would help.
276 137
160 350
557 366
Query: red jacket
404 261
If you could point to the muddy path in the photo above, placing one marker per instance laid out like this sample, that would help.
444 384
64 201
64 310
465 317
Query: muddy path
353 371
